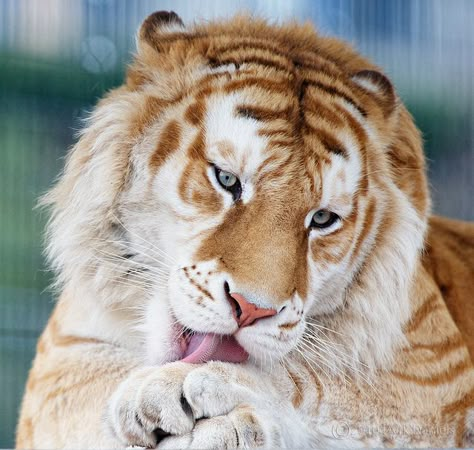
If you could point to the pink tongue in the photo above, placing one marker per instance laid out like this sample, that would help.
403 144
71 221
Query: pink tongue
203 347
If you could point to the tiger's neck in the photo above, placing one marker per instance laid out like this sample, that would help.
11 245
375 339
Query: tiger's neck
84 316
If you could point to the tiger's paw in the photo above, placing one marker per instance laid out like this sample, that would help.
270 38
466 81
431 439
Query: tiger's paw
149 404
217 388
154 402
214 405
244 427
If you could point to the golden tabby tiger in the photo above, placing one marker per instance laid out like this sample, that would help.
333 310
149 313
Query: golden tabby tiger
238 237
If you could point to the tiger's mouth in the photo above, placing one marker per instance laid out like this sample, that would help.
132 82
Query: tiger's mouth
199 348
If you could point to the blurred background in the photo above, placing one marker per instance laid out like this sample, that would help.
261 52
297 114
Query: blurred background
58 57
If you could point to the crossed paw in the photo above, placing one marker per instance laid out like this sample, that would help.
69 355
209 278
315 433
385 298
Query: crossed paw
179 405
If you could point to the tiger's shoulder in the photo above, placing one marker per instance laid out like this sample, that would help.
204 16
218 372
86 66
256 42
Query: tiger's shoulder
449 258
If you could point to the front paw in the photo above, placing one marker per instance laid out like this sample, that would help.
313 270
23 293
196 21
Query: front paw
217 388
244 427
150 404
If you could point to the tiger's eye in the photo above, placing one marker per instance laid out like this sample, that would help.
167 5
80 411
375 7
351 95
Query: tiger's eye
227 179
323 219
229 182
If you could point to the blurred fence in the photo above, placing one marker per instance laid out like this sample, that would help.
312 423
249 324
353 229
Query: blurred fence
57 58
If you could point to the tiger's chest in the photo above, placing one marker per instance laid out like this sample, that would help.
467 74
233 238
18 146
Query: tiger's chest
418 406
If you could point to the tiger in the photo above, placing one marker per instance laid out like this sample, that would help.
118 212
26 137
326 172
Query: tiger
246 257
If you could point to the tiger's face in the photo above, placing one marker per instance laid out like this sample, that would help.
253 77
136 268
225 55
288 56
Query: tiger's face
274 220
260 190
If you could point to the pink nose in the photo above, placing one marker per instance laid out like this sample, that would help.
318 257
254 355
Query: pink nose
247 313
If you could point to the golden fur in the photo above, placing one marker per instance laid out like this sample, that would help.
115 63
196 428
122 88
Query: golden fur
372 337
449 258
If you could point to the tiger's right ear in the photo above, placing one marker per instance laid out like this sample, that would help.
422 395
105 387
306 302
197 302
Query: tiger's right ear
156 26
379 86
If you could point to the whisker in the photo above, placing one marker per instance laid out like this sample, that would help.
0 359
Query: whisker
128 246
120 258
329 347
147 281
352 368
136 278
318 337
144 240
155 279
324 361
331 367
311 367
312 322
334 346
135 285
285 361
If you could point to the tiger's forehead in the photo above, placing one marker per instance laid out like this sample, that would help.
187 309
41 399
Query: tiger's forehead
233 142
245 146
236 143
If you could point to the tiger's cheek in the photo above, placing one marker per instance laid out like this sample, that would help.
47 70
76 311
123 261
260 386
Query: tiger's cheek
330 251
196 190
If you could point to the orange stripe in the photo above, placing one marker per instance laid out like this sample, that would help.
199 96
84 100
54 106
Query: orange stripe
248 59
109 372
310 62
67 340
263 114
446 376
460 405
262 83
64 340
25 434
195 112
330 143
250 45
460 428
319 109
440 349
276 171
317 384
297 395
168 143
41 346
366 228
338 93
430 305
289 325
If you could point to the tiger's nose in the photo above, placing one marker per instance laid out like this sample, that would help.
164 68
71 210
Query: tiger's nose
247 313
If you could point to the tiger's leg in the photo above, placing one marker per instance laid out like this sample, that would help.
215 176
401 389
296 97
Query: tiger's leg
71 380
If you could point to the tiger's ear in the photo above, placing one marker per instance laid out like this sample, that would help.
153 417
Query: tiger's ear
379 86
156 26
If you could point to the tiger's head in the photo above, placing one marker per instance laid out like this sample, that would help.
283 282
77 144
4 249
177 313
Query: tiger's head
254 182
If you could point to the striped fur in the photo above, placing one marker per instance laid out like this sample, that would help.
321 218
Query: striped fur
364 349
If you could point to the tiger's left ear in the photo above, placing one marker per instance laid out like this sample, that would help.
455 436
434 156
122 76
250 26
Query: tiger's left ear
379 86
156 26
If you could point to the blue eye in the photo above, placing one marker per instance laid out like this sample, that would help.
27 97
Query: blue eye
227 179
323 219
229 182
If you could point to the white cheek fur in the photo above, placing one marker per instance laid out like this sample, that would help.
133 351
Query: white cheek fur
314 232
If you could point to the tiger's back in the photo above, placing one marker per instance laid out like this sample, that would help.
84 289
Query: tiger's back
449 257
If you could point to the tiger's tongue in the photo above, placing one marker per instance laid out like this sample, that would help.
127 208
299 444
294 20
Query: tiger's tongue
203 347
